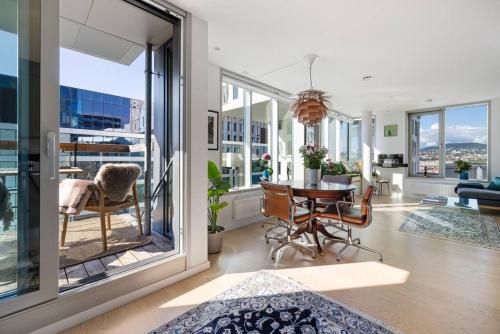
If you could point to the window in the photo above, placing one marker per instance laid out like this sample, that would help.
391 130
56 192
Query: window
233 149
344 140
441 137
254 123
285 142
261 110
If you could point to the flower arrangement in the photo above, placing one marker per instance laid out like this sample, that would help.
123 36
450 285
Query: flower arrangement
266 170
331 168
312 155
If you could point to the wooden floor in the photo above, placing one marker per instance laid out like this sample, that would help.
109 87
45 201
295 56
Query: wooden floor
424 285
73 274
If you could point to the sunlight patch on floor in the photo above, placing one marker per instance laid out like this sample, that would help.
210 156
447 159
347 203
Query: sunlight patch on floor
317 278
348 276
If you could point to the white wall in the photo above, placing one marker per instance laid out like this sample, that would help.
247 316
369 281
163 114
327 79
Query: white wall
196 140
214 103
390 145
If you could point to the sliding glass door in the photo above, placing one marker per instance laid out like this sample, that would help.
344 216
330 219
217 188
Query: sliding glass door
27 161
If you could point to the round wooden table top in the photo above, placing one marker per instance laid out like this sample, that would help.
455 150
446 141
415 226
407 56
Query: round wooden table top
322 190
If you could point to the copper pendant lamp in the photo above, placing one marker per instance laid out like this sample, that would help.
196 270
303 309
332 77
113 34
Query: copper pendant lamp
310 106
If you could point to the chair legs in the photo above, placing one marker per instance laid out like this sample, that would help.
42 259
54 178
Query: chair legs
108 219
137 209
65 228
356 243
288 241
102 215
279 223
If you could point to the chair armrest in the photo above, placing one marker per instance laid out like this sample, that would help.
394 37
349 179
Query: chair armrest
309 204
340 204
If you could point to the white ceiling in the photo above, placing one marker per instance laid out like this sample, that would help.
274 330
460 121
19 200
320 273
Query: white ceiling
446 50
110 29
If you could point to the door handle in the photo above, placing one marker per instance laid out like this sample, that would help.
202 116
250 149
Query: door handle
51 154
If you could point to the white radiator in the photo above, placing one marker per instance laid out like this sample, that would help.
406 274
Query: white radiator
424 188
246 207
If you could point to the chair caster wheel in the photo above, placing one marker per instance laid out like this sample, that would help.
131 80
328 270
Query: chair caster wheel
338 260
380 260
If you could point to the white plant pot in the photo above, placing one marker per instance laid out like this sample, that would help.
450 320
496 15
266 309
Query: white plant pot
215 241
312 176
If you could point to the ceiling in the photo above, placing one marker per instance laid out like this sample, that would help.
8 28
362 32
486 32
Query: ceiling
110 29
446 50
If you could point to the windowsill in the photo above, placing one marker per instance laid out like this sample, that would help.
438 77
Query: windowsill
243 189
440 180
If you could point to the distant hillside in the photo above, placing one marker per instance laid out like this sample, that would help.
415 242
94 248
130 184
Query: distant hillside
458 146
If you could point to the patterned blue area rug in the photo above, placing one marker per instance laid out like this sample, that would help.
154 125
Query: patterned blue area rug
269 303
476 230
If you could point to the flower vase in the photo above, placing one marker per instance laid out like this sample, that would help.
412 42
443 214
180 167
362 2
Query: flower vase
312 176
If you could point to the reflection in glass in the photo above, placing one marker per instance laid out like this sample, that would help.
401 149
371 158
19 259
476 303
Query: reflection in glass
233 136
285 142
260 128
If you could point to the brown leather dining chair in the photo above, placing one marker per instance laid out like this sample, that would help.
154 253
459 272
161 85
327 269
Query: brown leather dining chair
278 201
358 217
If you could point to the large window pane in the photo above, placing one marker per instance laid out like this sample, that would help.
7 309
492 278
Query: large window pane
285 142
355 152
233 136
466 138
260 128
344 140
425 144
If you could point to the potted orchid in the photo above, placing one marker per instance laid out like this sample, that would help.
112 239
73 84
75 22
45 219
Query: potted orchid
264 162
313 156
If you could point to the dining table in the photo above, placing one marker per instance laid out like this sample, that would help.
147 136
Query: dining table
324 190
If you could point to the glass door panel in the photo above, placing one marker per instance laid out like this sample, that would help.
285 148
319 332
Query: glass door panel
23 279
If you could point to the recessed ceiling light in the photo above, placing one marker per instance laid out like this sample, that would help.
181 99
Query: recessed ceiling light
367 78
428 100
216 48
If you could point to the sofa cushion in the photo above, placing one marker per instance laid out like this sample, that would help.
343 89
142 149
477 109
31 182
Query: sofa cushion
492 195
494 184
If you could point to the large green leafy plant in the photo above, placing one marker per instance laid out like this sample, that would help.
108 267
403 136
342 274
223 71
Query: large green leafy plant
218 187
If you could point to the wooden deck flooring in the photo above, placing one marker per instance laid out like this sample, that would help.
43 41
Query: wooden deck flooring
74 274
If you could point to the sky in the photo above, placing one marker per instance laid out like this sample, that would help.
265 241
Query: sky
83 71
463 125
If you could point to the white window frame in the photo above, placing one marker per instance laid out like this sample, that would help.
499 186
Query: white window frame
441 111
277 96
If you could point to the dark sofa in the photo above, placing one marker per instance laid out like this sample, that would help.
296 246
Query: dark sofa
483 195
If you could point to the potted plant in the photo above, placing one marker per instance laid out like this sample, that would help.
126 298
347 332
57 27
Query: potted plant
462 168
312 156
331 168
267 171
218 187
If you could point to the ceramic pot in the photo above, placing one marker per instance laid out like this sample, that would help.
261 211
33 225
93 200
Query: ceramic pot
215 241
312 176
464 175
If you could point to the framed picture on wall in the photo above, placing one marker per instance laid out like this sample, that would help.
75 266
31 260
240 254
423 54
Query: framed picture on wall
391 130
213 130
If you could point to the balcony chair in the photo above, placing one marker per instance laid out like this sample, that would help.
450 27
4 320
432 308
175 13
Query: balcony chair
278 202
347 214
116 190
